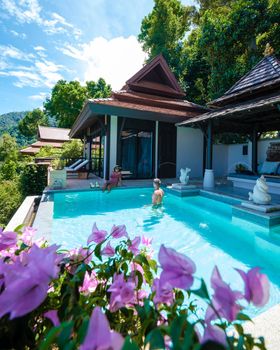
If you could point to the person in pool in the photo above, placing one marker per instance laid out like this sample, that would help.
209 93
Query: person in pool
115 179
158 193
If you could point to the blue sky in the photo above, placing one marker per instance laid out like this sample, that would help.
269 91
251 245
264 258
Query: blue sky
42 41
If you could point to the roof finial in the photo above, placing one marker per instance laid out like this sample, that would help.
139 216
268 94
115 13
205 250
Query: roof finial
269 50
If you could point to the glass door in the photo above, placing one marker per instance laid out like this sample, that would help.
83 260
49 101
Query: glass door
137 154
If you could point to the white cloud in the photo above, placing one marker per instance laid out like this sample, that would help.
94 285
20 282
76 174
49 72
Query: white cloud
39 48
9 51
41 96
19 35
29 11
115 60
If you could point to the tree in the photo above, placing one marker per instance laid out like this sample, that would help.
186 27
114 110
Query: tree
98 89
72 149
67 99
8 147
163 31
29 124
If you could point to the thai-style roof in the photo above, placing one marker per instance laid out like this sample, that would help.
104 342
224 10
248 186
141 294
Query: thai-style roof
52 133
153 93
241 117
47 136
265 75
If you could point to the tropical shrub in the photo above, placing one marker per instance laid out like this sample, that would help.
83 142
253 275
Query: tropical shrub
33 179
9 170
48 151
10 199
72 149
113 295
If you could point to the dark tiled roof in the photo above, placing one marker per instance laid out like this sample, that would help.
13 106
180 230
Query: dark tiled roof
267 69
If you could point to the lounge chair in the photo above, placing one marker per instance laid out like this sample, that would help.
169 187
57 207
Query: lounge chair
77 168
72 166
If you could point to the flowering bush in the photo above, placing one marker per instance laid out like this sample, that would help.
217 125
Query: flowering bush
113 295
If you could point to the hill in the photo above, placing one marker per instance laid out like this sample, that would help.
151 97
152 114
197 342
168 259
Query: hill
9 124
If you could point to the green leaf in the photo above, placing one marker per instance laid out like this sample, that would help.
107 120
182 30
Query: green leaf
202 292
141 260
155 340
50 338
129 345
97 251
19 228
243 317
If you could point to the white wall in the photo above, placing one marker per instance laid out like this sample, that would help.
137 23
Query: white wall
113 142
190 150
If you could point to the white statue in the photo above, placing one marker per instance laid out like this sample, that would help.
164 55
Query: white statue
260 192
184 176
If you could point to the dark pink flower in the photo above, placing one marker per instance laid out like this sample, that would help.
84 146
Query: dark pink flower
97 235
224 298
256 286
133 247
7 239
119 231
146 241
177 269
53 317
90 283
122 293
108 250
99 336
164 293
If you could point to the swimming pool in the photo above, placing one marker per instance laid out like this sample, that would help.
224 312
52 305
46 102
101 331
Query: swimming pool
199 227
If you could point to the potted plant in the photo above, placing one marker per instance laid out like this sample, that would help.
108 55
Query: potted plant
240 168
57 174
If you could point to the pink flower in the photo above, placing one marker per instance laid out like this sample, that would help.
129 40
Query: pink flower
133 247
164 293
256 286
108 250
97 235
224 299
119 231
90 283
122 293
136 267
177 269
7 239
146 241
99 336
53 317
28 235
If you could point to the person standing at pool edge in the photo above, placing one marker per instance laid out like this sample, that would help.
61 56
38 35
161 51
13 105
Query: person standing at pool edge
158 193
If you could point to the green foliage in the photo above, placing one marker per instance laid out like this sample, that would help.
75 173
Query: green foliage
10 200
72 149
8 147
48 151
9 124
227 39
68 98
33 179
9 170
28 126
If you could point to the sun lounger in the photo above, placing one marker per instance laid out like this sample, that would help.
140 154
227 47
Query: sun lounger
78 167
72 166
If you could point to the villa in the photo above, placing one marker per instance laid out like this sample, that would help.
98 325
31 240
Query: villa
150 130
47 136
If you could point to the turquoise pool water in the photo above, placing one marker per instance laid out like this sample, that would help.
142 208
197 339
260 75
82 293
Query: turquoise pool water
199 227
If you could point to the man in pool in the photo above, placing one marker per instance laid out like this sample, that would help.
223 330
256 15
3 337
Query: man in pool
158 193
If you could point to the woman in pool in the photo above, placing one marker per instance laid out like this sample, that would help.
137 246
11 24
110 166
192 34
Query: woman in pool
115 179
158 193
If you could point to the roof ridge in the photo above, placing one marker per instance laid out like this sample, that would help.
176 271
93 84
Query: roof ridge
52 127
